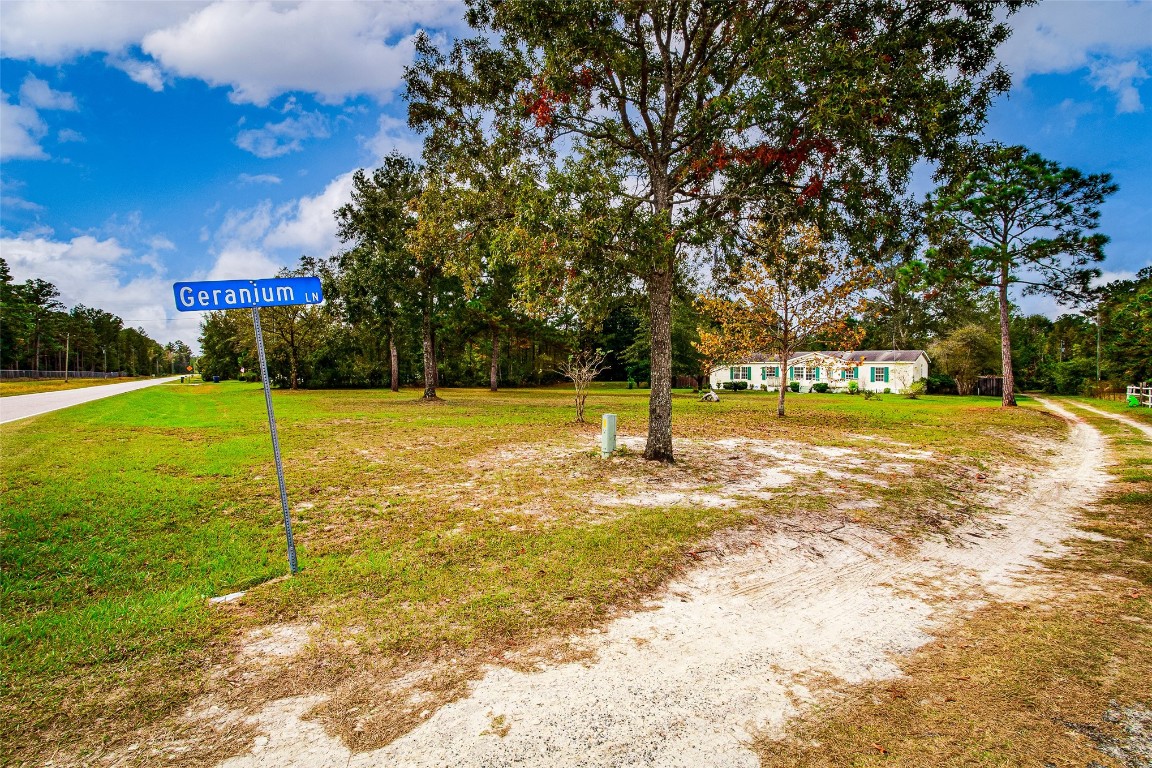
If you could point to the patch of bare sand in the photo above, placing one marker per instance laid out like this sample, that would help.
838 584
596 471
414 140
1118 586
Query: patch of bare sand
733 649
730 473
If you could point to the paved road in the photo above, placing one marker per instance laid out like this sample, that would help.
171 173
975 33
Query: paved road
23 406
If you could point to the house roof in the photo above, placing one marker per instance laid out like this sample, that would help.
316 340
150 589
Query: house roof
860 355
875 355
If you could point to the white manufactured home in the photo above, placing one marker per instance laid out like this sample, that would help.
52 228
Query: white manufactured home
871 369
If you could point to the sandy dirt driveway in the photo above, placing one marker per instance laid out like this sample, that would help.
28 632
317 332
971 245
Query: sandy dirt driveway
735 648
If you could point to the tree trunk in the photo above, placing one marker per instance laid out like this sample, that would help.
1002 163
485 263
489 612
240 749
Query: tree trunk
783 355
393 361
292 376
494 369
429 354
1009 398
659 445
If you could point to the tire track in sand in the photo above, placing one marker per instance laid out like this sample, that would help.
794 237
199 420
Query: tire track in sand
734 648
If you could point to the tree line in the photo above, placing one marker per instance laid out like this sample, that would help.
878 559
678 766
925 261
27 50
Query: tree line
39 333
590 170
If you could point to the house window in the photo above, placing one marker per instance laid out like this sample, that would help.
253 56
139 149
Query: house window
769 371
802 373
742 373
851 373
880 374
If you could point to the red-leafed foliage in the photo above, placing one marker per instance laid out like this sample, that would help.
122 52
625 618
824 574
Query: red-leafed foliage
541 103
788 160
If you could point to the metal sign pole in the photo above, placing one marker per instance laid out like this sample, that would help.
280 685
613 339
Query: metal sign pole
275 439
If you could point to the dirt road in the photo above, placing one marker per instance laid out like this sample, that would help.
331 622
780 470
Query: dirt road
735 648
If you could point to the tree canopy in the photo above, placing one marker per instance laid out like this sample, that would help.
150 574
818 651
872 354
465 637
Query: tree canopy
1005 217
671 114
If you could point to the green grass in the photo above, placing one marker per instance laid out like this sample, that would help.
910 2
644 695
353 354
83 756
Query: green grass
419 527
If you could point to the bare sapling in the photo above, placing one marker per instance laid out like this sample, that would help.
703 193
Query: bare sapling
581 368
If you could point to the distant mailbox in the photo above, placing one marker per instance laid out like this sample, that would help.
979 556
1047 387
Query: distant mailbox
243 294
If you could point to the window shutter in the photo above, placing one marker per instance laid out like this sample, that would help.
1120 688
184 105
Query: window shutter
732 374
872 371
748 373
791 371
817 374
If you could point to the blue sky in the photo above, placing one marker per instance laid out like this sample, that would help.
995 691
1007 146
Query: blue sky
146 143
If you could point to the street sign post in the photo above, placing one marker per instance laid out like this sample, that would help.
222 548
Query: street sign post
243 294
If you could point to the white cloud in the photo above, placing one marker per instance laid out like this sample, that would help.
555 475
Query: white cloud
146 73
394 136
236 262
257 49
52 32
245 226
276 139
21 129
36 93
19 203
1112 275
1109 38
1065 36
258 178
261 50
1123 79
1070 111
309 224
88 271
306 225
69 136
95 272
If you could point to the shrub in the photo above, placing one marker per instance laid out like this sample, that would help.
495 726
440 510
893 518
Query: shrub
631 383
887 390
915 389
868 394
1070 376
734 386
941 382
794 386
820 387
853 388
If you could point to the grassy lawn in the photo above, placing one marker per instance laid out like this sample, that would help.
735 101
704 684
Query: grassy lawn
1021 685
475 527
10 387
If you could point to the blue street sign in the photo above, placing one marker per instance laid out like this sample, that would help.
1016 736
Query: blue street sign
241 294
